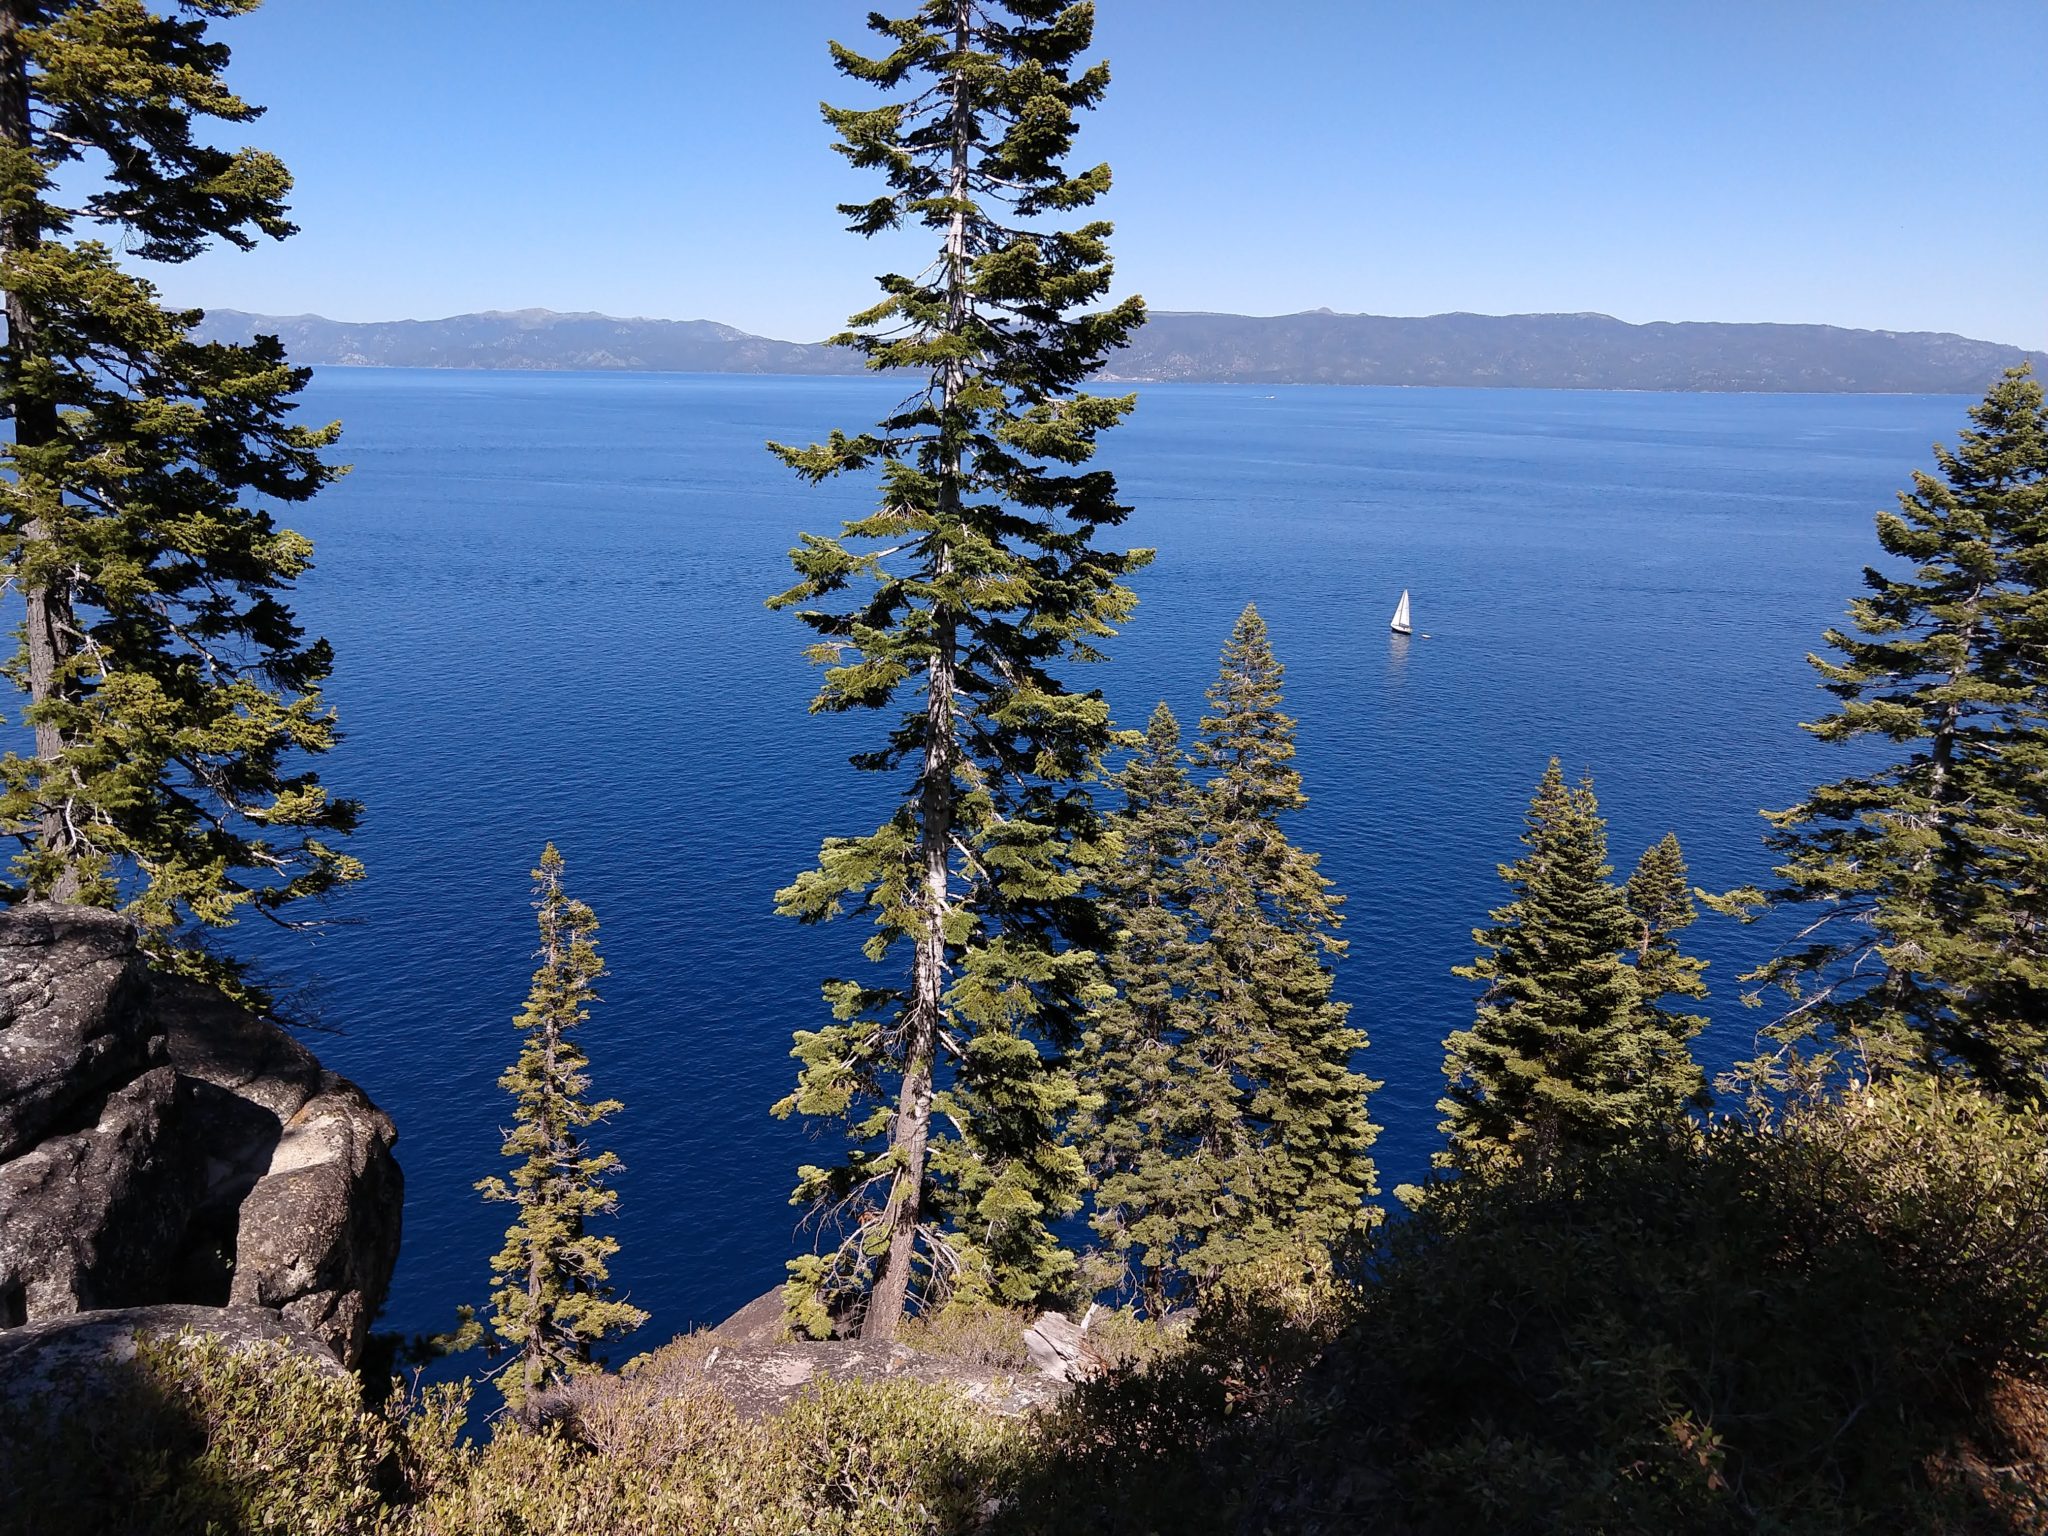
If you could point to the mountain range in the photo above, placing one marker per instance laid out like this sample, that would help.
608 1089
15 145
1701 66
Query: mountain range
1566 351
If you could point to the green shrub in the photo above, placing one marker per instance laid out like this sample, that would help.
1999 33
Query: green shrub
974 1330
1793 1327
197 1435
1834 1322
1168 1442
845 1459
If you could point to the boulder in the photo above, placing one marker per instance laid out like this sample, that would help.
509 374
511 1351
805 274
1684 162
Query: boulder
759 1379
84 1355
94 1218
762 1322
299 1171
172 1147
212 1040
319 1229
73 1021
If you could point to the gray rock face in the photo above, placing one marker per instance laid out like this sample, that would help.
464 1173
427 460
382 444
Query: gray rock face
196 1154
82 1360
72 1021
87 1219
320 1228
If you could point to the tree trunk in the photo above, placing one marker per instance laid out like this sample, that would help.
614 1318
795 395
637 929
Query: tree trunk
540 1322
47 622
533 1352
910 1136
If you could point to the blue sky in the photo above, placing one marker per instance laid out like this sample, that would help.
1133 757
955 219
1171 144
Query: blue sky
1843 161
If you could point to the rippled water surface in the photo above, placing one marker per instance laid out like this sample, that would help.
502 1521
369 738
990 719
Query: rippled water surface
546 595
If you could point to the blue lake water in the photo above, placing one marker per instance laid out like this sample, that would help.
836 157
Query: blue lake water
546 596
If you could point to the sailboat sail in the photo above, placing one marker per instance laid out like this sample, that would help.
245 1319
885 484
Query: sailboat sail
1401 626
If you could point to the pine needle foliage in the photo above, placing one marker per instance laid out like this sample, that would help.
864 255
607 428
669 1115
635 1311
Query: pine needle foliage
1571 1050
960 603
1296 1163
554 1301
1162 1108
1922 884
1227 1132
1660 902
174 700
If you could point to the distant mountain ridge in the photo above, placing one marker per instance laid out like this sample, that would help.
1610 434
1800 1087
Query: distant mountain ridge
1565 351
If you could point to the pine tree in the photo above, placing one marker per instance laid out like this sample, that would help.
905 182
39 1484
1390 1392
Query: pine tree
1558 1056
1296 1165
1922 885
962 599
554 1301
1661 906
172 696
1162 1107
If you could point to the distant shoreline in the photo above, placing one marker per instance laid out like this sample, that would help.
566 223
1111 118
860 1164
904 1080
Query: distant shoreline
1578 352
470 369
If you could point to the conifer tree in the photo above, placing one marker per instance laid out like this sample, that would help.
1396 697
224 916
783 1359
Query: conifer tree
554 1301
1922 884
172 697
1163 1112
1660 903
960 601
1296 1165
1558 1056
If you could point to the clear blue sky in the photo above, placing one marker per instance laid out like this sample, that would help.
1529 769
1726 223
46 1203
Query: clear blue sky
1846 161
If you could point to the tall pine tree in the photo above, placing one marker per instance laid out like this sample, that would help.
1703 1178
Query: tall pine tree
1163 1113
1296 1165
1558 1057
554 1301
174 700
1922 884
1660 904
960 602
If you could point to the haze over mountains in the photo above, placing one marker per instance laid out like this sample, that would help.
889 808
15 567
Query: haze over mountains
1566 351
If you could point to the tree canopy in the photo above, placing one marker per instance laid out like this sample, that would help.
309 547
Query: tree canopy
174 701
964 602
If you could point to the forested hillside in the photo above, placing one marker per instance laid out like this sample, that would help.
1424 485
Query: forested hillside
1319 347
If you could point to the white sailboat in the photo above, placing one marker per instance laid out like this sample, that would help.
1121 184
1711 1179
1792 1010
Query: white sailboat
1400 625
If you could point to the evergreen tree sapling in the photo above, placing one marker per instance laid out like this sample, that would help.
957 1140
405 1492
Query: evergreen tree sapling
1297 1168
173 699
1921 884
1558 1056
554 1301
961 602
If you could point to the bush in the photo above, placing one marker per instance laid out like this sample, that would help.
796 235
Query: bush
845 1459
1834 1322
974 1330
197 1435
1792 1327
1167 1441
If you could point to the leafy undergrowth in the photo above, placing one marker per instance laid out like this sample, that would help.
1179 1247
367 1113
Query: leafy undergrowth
1832 1324
1836 1323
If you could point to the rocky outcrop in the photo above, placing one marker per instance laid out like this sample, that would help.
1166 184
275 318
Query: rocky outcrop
72 1017
82 1356
161 1145
752 1363
88 1219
